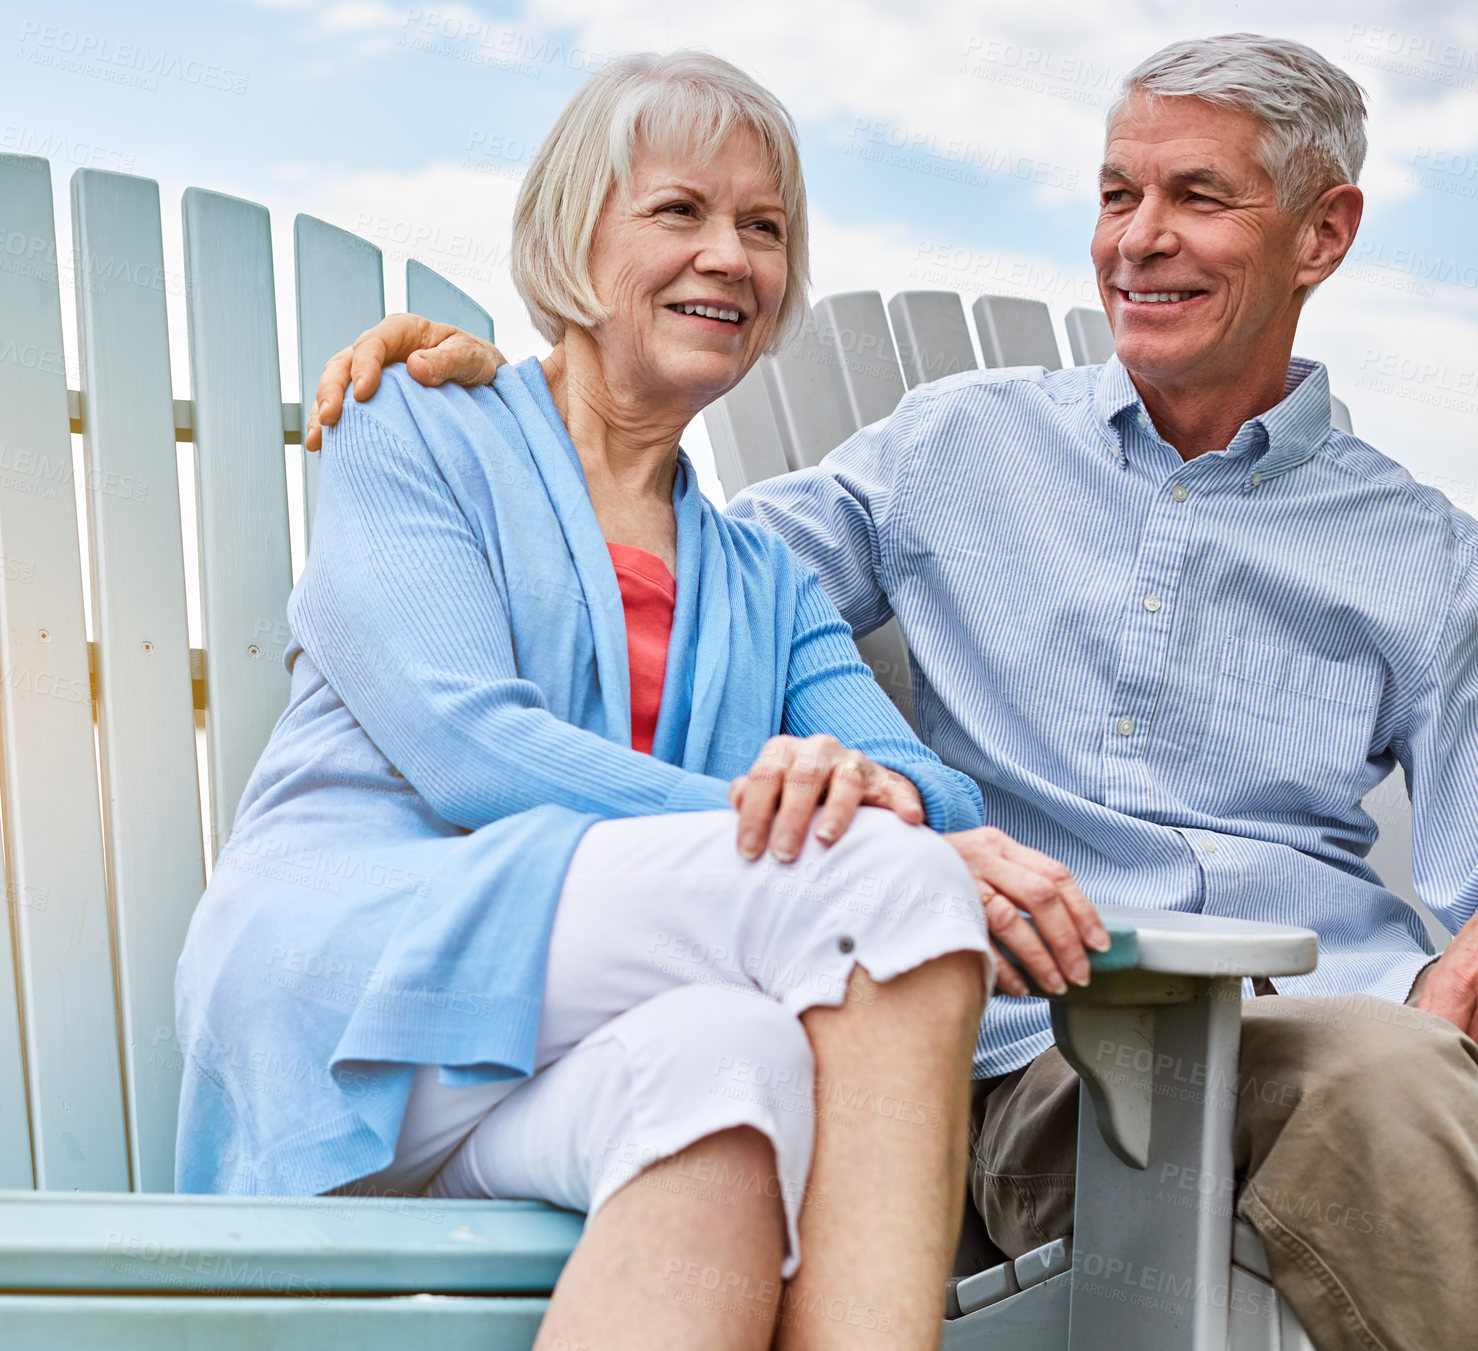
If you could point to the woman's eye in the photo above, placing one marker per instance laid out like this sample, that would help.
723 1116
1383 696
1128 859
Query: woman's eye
768 226
679 208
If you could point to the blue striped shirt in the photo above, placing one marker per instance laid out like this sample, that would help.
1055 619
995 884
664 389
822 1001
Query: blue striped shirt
1179 678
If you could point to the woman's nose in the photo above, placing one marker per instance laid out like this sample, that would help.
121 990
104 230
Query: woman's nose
722 251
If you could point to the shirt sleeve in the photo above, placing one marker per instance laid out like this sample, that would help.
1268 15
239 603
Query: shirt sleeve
399 609
829 689
1440 757
835 516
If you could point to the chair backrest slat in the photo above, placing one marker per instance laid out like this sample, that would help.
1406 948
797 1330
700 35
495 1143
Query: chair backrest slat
1339 414
241 486
430 294
1015 332
809 397
933 338
855 325
1090 337
340 293
53 833
146 720
853 329
744 434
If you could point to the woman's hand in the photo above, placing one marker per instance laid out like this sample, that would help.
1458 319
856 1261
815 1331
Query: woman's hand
793 777
433 354
1013 878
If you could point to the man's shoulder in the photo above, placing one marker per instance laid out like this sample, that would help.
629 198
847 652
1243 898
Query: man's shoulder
1023 386
1446 502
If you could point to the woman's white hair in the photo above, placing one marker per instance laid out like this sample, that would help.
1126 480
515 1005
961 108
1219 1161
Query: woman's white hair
1313 114
685 103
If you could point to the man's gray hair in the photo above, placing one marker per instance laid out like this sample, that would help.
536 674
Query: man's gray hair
1312 112
683 103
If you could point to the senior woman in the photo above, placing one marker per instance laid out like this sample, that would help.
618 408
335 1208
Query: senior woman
482 928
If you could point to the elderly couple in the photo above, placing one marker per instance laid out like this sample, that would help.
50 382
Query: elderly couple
691 885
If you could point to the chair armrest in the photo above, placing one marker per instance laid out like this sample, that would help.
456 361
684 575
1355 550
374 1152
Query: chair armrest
1176 942
1106 1030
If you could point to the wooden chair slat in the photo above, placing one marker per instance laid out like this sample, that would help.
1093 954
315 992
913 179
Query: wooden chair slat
855 325
53 830
809 397
933 337
1015 333
744 434
241 487
146 719
430 294
852 329
340 293
183 1323
342 1243
1089 336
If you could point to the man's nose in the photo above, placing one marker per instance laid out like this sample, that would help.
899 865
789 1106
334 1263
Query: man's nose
1150 231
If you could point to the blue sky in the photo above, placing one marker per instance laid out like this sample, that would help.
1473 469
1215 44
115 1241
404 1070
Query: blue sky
946 145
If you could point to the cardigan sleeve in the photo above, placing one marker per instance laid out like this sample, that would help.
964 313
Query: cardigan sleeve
400 611
829 689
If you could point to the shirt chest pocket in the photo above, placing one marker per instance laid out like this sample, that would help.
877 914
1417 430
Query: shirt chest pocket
1288 732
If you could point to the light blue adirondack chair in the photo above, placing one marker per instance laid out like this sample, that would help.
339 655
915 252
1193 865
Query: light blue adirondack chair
1171 998
105 856
100 894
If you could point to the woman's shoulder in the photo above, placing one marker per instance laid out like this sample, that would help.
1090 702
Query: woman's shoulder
756 547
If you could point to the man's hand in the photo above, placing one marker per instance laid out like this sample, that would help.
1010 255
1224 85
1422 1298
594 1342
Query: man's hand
793 777
1451 985
433 354
1013 878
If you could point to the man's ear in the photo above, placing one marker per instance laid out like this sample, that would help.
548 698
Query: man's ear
1328 231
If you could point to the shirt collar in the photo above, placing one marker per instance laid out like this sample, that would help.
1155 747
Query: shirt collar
1292 430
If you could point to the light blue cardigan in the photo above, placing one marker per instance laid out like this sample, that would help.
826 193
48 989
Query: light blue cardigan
460 714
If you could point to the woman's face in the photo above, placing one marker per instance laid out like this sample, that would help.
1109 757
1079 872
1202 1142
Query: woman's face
691 267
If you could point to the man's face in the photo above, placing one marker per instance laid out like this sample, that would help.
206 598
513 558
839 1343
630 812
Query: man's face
1197 267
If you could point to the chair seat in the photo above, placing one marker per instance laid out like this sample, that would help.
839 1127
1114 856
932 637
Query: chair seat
315 1246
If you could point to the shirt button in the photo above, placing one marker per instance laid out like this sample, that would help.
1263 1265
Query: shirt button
1152 603
1179 493
1125 727
1255 480
1209 845
845 944
1144 420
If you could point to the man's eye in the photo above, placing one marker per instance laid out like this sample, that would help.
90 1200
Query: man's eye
1114 196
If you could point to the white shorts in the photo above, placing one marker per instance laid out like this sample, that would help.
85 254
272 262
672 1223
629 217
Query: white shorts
677 974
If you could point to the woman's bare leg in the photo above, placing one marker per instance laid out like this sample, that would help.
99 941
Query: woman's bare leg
882 1210
676 1263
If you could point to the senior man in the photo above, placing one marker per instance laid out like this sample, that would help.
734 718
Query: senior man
1177 626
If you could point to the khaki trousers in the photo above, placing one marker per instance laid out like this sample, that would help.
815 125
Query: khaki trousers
1356 1151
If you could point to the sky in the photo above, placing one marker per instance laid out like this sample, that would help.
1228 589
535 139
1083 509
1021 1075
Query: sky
946 145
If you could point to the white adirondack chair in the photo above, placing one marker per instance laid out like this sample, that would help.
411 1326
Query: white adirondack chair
844 372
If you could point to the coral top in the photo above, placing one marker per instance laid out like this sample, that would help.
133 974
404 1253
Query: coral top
648 594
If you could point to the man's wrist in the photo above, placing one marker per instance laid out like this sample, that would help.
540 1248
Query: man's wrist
1420 983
